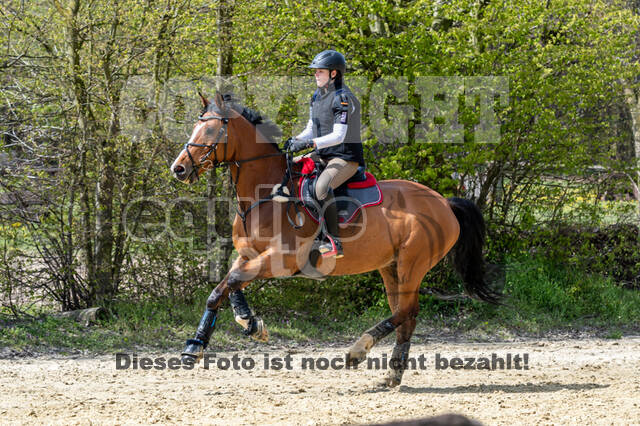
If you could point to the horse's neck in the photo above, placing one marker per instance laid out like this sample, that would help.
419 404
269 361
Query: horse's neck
254 179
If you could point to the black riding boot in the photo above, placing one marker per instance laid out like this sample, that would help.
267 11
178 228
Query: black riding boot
331 246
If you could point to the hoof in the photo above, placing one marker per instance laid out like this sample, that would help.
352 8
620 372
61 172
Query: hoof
389 382
261 334
193 352
355 357
358 352
393 379
188 359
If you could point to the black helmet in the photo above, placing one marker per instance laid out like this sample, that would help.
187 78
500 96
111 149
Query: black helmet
331 60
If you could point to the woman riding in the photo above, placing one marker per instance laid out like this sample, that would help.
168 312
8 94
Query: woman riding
333 130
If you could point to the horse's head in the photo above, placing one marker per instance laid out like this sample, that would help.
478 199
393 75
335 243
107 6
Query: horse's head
208 144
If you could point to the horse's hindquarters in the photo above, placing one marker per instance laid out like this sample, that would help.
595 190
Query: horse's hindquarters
413 221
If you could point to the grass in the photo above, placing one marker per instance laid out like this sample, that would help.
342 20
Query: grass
132 329
543 297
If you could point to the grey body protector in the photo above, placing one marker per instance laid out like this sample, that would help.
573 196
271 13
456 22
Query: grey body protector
331 105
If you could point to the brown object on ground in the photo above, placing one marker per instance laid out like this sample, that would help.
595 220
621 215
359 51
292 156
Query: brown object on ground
443 420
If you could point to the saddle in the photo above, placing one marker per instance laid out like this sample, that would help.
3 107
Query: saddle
360 191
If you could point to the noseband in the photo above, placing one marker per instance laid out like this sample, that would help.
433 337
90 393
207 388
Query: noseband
195 168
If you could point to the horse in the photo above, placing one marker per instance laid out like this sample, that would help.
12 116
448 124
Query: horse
403 237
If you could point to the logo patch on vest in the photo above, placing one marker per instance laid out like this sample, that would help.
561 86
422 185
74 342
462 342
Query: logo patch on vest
343 118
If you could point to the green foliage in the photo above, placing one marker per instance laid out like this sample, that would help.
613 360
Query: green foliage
557 293
610 251
561 113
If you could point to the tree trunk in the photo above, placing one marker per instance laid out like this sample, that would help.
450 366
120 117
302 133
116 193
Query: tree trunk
633 100
106 287
632 97
220 249
225 28
84 117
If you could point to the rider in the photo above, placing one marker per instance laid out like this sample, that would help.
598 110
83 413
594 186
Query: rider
333 130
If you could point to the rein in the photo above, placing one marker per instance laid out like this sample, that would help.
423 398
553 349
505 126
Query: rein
195 168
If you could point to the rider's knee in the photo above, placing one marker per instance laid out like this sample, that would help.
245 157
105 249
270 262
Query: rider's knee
321 196
321 192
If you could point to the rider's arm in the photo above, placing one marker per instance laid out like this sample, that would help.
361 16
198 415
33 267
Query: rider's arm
334 138
307 133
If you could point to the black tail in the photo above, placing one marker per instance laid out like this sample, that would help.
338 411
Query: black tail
467 253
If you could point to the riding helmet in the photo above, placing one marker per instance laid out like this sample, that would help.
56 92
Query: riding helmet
331 60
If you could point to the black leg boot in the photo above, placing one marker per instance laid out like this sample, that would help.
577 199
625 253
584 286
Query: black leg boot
332 245
194 350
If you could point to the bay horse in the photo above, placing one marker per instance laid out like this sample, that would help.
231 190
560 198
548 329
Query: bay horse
403 237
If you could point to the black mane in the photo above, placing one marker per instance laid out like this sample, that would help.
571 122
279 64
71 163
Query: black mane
268 128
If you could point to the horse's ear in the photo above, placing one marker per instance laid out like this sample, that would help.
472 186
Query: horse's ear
205 102
219 100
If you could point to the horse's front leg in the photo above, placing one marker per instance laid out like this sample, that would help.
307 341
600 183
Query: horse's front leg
266 266
194 350
241 274
253 325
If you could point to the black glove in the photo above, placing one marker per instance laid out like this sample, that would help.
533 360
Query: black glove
298 145
288 143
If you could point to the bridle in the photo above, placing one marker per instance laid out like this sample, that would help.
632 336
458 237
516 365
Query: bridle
195 168
212 149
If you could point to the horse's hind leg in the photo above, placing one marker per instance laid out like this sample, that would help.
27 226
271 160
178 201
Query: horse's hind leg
403 301
400 355
358 352
413 263
402 282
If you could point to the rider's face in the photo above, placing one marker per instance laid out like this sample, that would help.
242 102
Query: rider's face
322 76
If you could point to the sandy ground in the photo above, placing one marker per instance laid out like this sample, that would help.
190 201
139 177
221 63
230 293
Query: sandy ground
567 382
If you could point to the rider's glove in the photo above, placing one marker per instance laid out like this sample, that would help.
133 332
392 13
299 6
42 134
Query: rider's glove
298 145
287 143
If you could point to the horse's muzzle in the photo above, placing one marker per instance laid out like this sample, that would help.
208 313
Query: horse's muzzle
180 172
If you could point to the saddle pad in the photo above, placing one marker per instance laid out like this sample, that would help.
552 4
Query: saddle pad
349 200
369 181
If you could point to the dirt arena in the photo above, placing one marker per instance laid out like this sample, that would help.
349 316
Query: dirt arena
567 382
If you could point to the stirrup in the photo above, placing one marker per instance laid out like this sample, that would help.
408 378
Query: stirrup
329 248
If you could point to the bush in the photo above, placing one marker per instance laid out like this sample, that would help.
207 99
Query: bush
611 251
